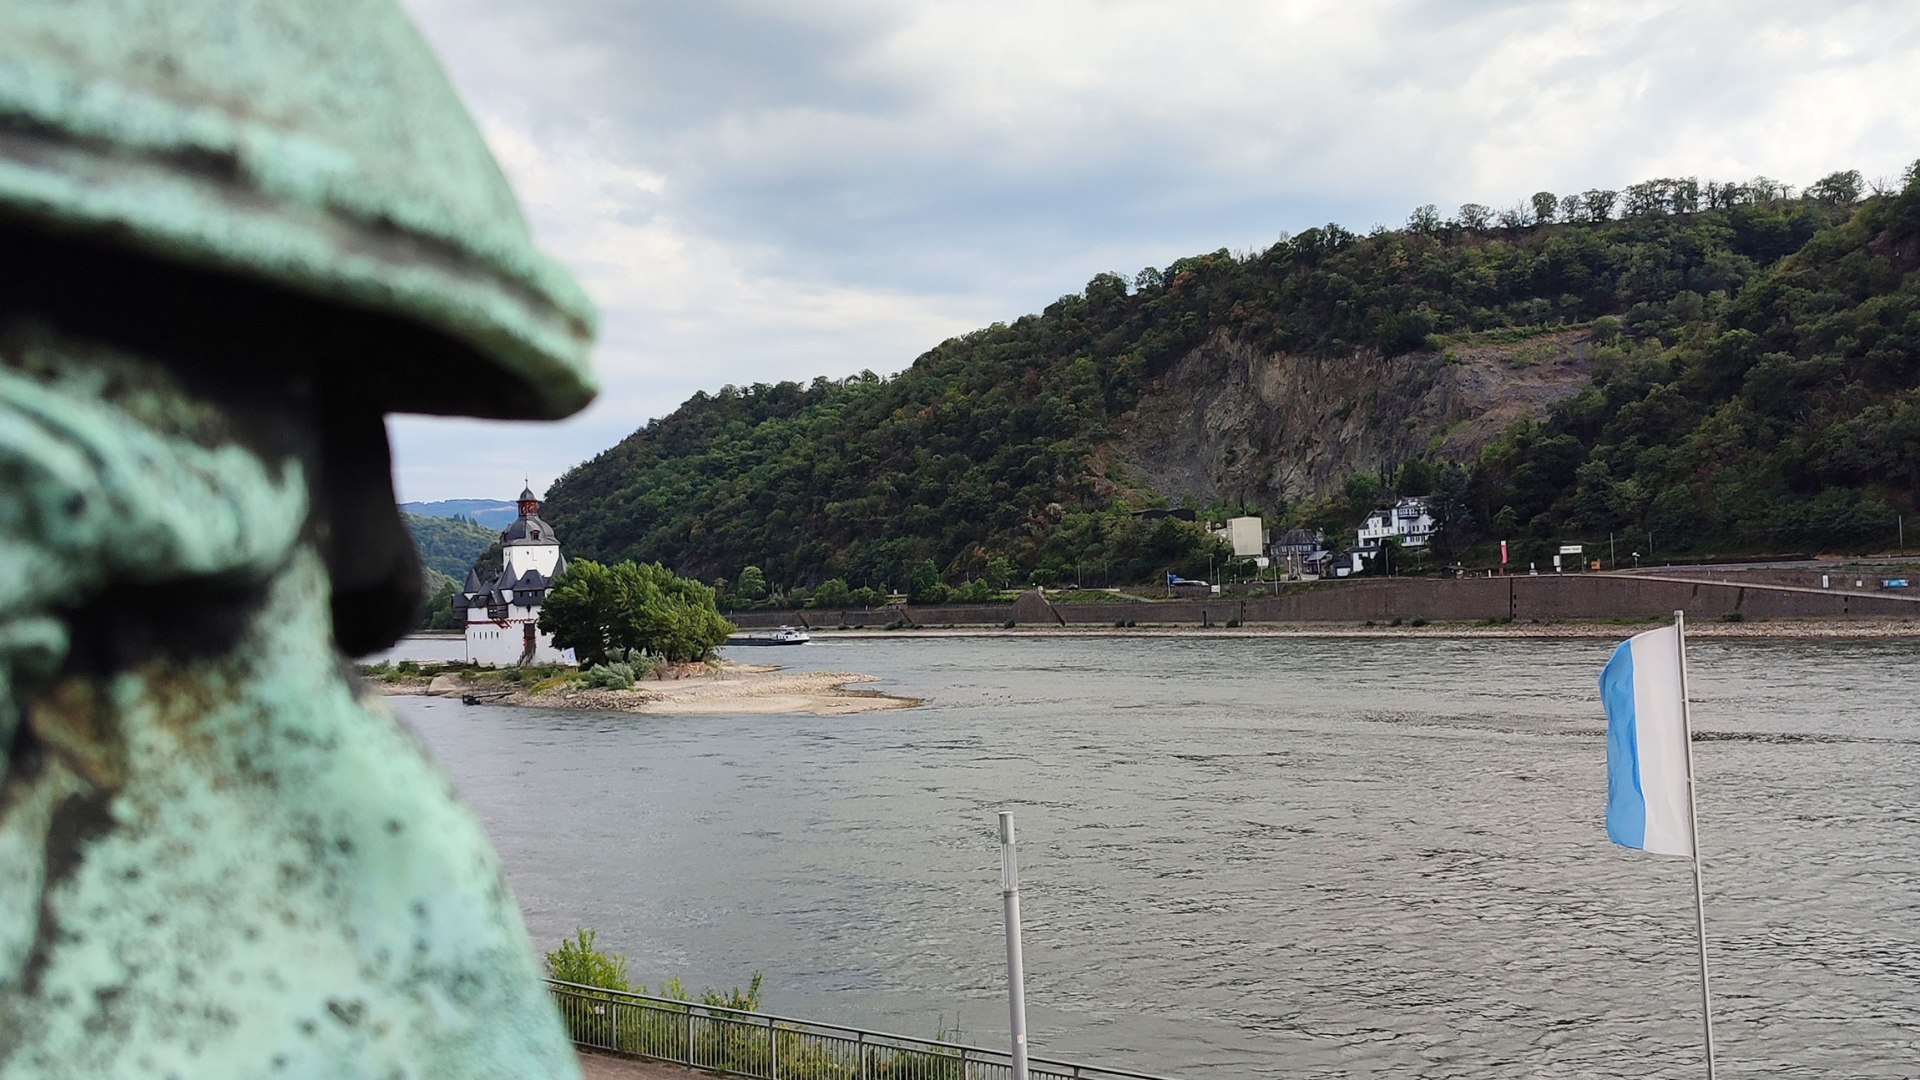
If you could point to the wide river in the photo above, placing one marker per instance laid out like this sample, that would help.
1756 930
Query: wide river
1251 856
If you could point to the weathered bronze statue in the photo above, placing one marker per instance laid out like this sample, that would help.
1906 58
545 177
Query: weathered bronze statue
233 235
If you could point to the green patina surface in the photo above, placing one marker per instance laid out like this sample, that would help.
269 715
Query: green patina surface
228 863
218 856
316 146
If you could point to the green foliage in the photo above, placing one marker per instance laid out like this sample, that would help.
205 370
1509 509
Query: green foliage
438 590
1000 572
924 585
579 961
833 593
613 676
675 1027
747 1000
1752 350
602 611
1786 417
448 548
448 545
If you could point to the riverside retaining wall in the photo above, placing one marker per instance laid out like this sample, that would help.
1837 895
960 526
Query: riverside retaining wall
1523 599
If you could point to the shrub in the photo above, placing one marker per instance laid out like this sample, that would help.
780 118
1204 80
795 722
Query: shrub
1733 616
578 961
747 1001
1233 624
1008 625
1129 622
610 677
1418 622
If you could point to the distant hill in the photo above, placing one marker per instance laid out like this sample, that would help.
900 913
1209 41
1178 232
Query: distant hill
1727 367
449 546
490 512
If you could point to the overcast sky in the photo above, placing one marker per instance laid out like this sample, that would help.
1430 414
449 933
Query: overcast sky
764 191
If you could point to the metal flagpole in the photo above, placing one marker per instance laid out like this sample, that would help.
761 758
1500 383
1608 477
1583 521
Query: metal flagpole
1016 978
1693 819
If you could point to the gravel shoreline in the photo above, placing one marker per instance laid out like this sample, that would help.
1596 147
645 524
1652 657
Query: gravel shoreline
732 688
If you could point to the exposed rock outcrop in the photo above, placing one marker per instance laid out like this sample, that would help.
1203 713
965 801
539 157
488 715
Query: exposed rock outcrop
1231 422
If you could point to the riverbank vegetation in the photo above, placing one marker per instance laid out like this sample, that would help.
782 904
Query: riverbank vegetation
1754 386
677 1026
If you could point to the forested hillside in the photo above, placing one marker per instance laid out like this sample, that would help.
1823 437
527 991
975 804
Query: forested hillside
449 545
1735 370
448 548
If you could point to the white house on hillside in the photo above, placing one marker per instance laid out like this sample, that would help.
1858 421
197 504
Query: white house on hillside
1245 535
1406 521
503 616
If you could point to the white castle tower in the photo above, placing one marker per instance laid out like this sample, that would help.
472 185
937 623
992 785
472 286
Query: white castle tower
503 616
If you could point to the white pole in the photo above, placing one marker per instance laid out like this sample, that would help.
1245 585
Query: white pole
1016 977
1693 816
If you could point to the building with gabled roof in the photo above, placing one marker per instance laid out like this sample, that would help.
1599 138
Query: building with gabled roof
502 616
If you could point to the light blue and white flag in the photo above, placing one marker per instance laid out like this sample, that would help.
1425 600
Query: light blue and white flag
1648 804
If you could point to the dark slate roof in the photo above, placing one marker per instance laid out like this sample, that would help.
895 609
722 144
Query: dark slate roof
529 530
526 495
473 584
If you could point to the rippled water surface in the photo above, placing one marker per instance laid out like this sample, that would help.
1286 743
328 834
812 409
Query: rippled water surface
1251 857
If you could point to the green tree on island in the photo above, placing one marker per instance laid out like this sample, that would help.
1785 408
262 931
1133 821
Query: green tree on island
603 611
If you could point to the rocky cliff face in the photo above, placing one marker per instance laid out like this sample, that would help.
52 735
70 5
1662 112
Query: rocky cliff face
1233 423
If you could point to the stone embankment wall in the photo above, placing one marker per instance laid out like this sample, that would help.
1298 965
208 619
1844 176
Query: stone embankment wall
1843 579
1522 599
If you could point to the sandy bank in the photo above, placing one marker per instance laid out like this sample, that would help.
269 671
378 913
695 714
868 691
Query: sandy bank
689 690
1703 628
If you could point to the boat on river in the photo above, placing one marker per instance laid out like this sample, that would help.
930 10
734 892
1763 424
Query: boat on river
785 635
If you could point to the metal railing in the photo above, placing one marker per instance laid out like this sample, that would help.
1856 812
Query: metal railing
768 1047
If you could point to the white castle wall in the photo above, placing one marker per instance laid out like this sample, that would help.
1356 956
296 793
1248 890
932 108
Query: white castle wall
493 645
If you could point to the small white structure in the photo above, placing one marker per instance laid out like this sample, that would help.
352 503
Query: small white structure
1248 538
503 616
1406 521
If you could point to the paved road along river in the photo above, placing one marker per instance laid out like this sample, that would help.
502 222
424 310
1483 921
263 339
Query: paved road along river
1251 857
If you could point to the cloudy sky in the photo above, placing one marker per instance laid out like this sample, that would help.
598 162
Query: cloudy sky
764 191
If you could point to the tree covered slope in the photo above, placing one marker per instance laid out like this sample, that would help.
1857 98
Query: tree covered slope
449 545
1732 366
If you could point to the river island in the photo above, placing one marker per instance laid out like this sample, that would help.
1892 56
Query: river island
717 687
